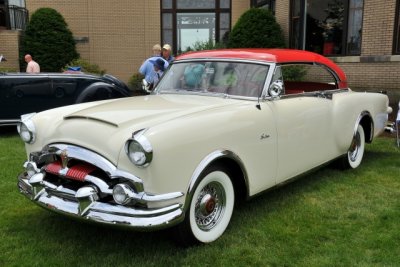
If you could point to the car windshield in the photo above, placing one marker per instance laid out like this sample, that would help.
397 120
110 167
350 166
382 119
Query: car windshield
214 77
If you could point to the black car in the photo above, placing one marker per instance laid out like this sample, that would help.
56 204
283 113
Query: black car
22 93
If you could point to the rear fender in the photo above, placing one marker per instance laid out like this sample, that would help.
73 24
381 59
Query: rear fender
97 91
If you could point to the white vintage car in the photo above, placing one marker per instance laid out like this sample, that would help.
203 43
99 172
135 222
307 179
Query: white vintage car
220 126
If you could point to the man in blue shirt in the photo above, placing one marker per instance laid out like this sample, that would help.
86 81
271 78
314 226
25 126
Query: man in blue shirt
158 69
147 68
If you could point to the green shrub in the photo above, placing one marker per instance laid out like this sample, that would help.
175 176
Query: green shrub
85 66
294 72
205 45
135 82
3 69
49 41
256 28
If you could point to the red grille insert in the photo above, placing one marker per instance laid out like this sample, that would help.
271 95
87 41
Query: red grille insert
54 167
77 172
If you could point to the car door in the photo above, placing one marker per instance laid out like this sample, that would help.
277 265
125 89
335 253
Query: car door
305 138
64 90
24 93
304 129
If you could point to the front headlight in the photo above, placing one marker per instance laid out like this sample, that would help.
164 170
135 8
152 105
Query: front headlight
26 128
139 149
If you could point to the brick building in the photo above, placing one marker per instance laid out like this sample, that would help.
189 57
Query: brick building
363 36
119 36
13 19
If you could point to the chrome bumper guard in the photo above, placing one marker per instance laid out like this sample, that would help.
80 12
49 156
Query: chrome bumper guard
85 202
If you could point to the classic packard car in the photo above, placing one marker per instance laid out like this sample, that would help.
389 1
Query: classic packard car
22 93
221 126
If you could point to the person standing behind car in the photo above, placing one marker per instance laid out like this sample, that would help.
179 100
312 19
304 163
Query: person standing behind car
33 66
159 67
156 50
147 68
166 53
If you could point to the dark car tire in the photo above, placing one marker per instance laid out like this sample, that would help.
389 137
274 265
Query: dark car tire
352 159
210 208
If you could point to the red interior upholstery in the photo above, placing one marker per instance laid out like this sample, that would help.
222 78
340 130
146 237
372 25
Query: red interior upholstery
301 87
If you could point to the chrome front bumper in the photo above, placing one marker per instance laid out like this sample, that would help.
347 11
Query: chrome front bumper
88 202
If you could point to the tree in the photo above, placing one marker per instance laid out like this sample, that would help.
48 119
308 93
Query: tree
49 41
256 28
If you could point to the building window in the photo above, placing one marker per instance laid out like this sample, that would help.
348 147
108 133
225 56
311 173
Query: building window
13 14
396 39
185 23
328 27
266 4
3 14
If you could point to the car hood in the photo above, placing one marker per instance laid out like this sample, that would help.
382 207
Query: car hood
105 126
140 112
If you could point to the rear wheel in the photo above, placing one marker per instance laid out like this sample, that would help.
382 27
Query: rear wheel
355 154
210 209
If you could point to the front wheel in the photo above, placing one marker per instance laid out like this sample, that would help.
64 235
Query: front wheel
210 209
356 151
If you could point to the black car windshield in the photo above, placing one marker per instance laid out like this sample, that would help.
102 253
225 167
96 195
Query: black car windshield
214 77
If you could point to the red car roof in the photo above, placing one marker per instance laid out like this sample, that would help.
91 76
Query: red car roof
269 55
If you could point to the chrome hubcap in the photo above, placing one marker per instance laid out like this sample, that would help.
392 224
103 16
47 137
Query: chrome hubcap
207 205
210 206
355 145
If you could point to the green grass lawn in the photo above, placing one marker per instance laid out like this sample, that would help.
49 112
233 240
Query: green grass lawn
327 218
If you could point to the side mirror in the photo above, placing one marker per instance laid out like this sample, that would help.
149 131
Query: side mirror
276 88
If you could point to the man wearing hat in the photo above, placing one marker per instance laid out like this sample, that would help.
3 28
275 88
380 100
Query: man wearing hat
147 68
159 67
166 53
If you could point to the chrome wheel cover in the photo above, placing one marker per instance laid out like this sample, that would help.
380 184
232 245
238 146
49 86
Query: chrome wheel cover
355 146
210 206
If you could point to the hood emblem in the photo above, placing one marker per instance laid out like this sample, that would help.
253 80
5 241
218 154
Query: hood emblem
64 158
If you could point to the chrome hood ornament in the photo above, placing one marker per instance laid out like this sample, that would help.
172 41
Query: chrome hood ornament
64 158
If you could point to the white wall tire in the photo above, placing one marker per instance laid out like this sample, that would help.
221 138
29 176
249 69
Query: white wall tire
356 151
210 209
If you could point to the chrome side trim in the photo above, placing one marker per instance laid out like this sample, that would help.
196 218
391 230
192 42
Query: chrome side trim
219 154
161 197
11 122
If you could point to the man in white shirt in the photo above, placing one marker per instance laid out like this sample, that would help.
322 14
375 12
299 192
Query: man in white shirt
33 66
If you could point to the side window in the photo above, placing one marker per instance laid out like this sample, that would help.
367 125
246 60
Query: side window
300 78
